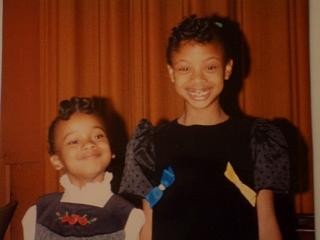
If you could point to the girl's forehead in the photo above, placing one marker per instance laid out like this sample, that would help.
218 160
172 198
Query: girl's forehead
208 46
79 121
191 50
84 117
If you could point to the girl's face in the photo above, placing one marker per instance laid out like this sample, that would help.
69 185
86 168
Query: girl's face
82 149
198 72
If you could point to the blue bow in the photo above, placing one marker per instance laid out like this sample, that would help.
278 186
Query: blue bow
156 193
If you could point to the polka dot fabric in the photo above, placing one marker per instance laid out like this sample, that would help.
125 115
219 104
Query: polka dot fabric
270 153
139 162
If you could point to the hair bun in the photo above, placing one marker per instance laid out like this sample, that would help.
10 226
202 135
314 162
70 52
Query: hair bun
75 104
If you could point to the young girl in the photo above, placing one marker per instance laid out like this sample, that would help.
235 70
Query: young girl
206 174
87 209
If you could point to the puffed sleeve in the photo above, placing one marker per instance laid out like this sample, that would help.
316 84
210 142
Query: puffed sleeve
270 153
139 162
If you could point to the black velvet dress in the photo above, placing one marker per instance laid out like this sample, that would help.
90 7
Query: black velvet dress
203 203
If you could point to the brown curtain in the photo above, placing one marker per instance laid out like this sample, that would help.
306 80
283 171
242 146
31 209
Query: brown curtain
55 49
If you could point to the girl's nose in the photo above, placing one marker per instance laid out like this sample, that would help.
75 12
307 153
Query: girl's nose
198 76
89 144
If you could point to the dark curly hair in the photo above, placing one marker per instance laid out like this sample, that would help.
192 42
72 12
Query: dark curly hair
66 109
203 30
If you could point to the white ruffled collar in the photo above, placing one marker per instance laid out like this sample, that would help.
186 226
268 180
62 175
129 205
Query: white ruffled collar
96 194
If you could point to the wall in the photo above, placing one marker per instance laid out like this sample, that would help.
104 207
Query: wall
314 9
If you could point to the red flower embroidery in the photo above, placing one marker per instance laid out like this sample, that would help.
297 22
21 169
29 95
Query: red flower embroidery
75 219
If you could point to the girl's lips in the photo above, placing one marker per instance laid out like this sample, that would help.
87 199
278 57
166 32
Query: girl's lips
90 154
198 94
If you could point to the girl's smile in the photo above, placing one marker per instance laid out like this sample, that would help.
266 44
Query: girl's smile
199 94
90 155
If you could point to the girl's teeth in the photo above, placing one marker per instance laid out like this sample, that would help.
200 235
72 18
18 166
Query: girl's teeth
198 93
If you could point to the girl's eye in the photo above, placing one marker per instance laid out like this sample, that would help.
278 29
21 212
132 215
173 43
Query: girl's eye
183 69
211 68
100 136
73 142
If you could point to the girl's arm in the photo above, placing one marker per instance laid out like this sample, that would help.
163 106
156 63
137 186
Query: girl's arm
134 224
29 223
267 220
146 232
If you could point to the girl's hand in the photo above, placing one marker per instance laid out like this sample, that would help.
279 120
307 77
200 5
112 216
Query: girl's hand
267 220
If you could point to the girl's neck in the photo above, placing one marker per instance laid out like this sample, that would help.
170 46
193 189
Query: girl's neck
81 182
203 117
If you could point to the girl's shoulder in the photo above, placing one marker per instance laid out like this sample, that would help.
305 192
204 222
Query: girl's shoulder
49 198
259 128
264 131
143 128
146 131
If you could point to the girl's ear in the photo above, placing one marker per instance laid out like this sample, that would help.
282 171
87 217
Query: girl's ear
228 69
56 162
171 74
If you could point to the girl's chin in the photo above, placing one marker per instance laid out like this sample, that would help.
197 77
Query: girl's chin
201 105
